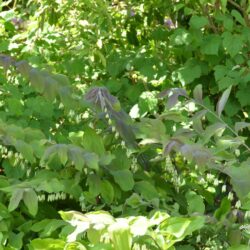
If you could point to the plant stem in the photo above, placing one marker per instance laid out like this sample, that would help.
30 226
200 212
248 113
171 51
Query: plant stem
236 5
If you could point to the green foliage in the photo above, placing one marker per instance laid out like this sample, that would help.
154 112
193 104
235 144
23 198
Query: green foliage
124 125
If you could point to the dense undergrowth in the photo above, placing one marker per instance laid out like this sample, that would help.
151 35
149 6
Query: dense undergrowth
124 124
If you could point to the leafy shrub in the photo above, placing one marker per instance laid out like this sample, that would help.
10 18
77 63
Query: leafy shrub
130 151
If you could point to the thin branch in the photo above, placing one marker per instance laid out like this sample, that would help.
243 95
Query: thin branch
205 11
236 5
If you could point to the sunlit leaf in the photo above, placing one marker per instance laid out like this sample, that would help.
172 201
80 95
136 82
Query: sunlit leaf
222 101
120 235
48 243
15 199
197 93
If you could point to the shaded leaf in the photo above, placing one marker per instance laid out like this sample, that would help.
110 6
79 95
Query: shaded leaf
195 203
124 178
26 150
15 199
31 201
146 189
107 191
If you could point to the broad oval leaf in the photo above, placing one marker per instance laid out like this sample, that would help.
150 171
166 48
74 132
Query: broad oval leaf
147 190
26 150
37 80
107 191
222 101
15 199
197 93
30 200
124 178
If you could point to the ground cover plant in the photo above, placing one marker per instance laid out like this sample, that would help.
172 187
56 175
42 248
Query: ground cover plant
124 125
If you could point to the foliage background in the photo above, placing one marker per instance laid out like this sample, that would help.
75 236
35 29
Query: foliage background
94 118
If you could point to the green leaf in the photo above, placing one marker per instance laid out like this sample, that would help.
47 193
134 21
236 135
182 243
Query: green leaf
147 102
102 246
15 199
228 22
189 72
92 160
232 43
37 80
76 137
24 68
198 22
197 120
120 234
236 14
226 82
222 101
239 247
107 191
240 178
124 178
121 160
16 240
232 107
243 96
66 97
197 93
15 106
176 226
48 244
31 201
26 150
63 154
61 79
47 227
211 44
181 227
74 246
76 155
147 190
195 203
214 129
134 201
93 142
223 210
197 153
94 236
224 5
4 46
241 125
139 225
94 183
181 37
50 88
220 71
